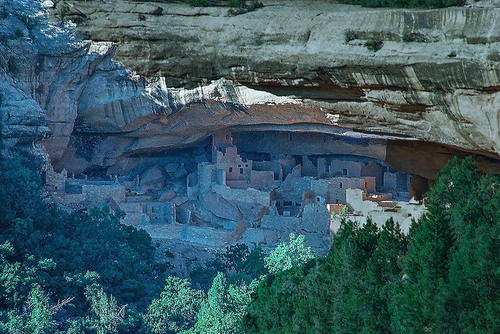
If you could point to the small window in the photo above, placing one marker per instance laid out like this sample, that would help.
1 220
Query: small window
246 165
344 171
340 185
230 169
241 170
239 165
227 137
337 201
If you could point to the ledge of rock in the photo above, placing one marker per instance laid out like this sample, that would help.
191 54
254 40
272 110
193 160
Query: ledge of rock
436 77
93 113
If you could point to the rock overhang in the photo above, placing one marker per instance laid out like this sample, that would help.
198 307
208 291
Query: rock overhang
435 79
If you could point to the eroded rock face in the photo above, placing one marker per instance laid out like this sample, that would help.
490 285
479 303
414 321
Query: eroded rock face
436 78
45 73
92 113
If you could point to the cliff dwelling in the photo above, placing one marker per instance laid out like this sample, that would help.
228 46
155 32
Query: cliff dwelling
248 185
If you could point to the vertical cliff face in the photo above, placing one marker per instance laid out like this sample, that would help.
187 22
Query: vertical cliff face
47 75
286 66
435 77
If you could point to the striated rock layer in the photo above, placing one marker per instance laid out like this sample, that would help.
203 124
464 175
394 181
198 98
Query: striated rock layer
436 78
92 114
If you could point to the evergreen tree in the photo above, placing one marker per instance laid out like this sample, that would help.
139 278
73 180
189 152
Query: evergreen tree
442 290
383 273
107 314
474 276
342 293
351 250
36 317
176 309
287 255
224 308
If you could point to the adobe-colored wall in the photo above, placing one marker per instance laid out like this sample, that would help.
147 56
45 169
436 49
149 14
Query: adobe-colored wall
261 179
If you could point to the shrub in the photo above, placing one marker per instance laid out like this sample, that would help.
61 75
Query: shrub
406 3
493 56
18 33
4 13
198 3
29 21
176 308
415 36
12 66
374 44
237 3
350 35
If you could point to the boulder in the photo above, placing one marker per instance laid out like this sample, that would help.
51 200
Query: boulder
152 178
167 196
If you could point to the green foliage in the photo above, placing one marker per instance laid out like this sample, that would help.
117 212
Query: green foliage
12 66
236 3
28 20
18 33
198 3
346 292
4 13
441 278
350 35
451 270
374 44
287 255
238 263
36 316
68 253
176 309
406 3
242 264
107 314
224 308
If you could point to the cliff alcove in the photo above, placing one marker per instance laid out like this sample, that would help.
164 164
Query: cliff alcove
293 86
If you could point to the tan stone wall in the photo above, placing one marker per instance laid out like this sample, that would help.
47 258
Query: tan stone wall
261 179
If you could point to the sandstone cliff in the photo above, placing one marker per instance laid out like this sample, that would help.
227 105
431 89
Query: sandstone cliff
93 113
436 77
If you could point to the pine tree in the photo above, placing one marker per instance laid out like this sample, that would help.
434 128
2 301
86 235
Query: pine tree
224 308
351 250
382 274
289 254
422 302
107 314
474 276
176 309
36 318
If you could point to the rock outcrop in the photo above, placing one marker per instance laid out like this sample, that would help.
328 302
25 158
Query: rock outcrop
436 77
45 76
93 113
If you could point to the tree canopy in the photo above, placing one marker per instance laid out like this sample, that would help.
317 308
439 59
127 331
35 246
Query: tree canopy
441 278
